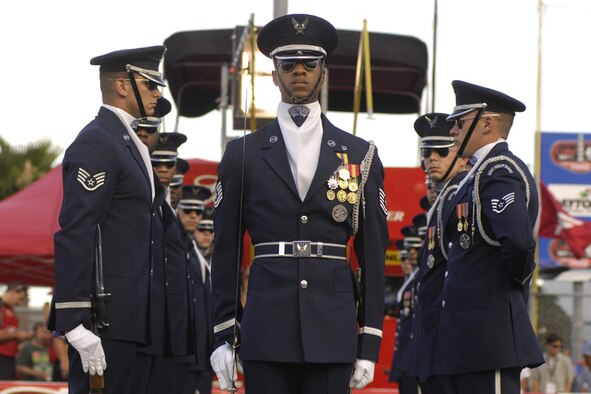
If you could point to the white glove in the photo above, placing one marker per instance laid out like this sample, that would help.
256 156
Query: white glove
363 374
222 363
91 351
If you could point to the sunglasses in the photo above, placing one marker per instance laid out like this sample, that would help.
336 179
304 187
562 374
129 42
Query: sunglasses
168 164
151 84
289 65
205 231
149 130
188 211
459 122
442 152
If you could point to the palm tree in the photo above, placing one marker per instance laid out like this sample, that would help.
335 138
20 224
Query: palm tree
22 165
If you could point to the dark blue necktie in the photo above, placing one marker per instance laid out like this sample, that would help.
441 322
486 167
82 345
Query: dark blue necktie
298 114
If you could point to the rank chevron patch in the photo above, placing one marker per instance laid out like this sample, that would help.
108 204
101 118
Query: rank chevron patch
499 205
91 182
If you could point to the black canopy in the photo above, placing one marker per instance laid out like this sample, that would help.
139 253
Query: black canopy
192 67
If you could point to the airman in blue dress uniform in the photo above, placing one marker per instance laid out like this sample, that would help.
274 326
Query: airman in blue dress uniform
168 296
307 188
197 370
400 370
108 183
446 170
485 336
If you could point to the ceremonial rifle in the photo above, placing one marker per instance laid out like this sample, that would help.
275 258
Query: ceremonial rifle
98 312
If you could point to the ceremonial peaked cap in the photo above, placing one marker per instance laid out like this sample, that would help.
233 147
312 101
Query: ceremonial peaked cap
167 147
182 167
411 237
424 203
420 222
402 252
163 107
194 197
470 97
297 36
206 223
144 61
433 129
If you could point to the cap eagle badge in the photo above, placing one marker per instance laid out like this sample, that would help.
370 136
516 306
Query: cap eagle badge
299 27
432 122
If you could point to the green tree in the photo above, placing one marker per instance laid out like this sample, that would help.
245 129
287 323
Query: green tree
23 164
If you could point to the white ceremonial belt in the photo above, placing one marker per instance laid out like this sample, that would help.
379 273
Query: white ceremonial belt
299 249
71 305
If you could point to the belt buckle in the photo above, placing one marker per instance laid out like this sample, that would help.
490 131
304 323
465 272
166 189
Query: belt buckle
302 248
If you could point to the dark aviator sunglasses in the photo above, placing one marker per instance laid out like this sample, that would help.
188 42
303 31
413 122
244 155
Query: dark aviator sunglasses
168 164
289 65
442 152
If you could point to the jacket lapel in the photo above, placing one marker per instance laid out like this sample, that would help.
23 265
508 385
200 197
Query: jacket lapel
114 124
275 155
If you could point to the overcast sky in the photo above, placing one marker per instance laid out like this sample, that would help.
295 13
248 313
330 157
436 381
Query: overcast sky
51 91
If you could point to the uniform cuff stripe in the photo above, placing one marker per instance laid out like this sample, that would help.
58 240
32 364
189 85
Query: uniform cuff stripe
71 305
370 331
224 325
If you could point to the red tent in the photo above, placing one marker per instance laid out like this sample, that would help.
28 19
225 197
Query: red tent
29 220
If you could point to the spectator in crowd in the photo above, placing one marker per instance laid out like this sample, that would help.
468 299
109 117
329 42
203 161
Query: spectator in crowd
557 373
524 377
33 361
10 335
584 378
58 352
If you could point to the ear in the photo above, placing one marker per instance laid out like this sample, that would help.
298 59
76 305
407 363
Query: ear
275 80
488 124
121 87
323 76
462 162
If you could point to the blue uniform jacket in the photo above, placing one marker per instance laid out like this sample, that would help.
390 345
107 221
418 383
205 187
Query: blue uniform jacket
286 319
202 318
428 289
405 316
105 181
168 293
484 323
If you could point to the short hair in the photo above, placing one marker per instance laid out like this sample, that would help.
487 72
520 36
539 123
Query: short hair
553 337
37 325
16 286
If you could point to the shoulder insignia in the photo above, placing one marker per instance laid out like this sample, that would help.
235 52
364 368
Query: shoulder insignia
498 166
383 202
499 204
218 194
91 182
